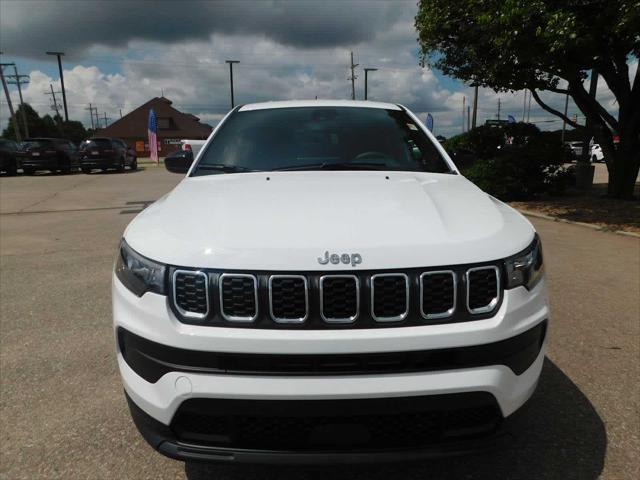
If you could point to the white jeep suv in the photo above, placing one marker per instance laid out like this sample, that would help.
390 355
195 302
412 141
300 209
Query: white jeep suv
324 286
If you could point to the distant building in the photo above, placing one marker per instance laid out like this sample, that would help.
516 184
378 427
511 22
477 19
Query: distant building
173 125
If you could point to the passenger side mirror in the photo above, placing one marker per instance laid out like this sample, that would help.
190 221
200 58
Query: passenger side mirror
179 162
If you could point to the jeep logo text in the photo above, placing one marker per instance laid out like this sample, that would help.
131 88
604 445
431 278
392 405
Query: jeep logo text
353 259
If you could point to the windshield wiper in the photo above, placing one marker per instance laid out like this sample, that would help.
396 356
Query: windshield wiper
336 166
221 167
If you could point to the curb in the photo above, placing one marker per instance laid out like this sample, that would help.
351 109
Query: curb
529 213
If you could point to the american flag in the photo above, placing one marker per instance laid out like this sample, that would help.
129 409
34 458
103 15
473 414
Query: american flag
152 130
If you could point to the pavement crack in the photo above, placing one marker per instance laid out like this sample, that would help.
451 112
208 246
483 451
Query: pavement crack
55 194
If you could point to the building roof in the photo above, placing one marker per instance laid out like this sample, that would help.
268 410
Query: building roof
134 124
319 103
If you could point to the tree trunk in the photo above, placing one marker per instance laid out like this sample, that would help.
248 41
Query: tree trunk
623 171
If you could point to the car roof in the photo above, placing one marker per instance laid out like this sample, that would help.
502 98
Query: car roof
318 103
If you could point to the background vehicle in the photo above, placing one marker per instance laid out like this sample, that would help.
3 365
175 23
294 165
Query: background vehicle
575 149
106 153
597 154
9 162
193 145
53 154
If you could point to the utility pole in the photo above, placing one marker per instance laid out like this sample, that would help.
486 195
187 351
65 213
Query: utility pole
55 102
468 118
464 110
564 122
14 120
475 106
366 79
231 62
64 95
105 119
524 105
18 80
499 108
120 113
353 78
95 109
90 108
529 108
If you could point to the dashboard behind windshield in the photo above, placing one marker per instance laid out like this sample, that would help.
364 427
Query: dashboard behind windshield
310 138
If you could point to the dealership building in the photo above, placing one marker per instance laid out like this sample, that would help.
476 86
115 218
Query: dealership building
173 125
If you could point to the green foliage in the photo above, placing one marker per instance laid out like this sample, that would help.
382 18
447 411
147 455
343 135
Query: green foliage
515 44
46 126
530 165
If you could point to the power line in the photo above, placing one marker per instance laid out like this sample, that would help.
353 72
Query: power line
55 102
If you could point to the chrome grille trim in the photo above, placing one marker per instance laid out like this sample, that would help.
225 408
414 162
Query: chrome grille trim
339 320
306 299
187 313
396 318
232 318
494 301
447 313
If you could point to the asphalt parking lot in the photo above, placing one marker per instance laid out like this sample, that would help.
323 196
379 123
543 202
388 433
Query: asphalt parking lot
63 413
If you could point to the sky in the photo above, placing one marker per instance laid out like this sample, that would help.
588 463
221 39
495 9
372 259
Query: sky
120 54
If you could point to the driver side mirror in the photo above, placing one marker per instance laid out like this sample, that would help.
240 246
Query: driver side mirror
179 162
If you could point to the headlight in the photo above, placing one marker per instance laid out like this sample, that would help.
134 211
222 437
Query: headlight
139 274
525 268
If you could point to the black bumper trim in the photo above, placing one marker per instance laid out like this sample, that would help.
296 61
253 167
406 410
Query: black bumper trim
163 439
152 360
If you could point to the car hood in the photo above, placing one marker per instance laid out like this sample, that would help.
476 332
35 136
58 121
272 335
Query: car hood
287 220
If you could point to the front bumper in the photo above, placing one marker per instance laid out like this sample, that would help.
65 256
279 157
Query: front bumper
156 401
40 163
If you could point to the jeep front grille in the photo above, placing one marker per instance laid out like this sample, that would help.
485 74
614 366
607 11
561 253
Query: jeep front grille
483 289
239 297
191 293
321 300
288 298
339 298
389 297
438 294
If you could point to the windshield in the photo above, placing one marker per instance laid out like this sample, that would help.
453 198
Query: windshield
316 138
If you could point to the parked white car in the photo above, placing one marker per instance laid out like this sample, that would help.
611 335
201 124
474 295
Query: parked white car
325 286
596 153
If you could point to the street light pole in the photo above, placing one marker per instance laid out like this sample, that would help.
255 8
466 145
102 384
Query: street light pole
231 62
14 120
64 94
366 80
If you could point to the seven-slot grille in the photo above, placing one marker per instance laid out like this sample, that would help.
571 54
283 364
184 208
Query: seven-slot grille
483 289
339 298
288 298
191 293
438 294
389 297
239 297
314 299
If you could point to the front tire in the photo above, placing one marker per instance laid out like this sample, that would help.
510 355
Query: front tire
134 164
121 166
29 171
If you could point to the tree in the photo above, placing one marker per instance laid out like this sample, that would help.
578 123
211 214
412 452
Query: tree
47 126
548 45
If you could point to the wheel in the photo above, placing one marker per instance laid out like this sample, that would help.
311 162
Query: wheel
86 170
28 171
594 159
12 171
134 164
121 165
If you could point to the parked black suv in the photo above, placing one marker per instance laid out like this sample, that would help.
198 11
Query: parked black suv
9 162
106 153
53 154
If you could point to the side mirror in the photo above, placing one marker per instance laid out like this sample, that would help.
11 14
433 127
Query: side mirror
179 162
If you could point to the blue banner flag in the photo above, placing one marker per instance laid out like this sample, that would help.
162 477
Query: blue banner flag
152 130
511 119
430 122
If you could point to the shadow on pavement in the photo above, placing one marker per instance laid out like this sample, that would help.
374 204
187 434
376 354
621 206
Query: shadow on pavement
560 435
